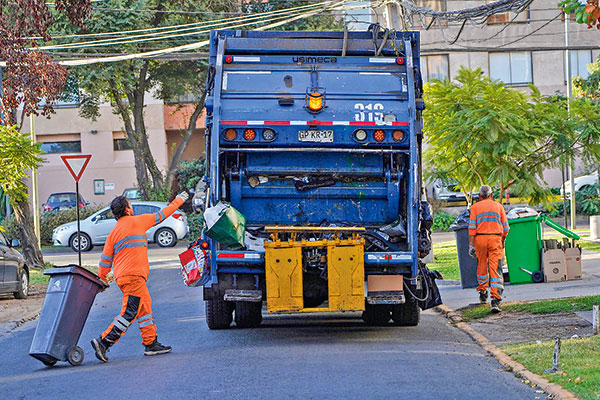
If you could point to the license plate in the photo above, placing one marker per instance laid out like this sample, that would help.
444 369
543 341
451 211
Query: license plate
315 136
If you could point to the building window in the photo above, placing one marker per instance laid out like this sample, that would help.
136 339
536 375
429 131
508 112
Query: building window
62 147
579 61
121 144
512 68
435 67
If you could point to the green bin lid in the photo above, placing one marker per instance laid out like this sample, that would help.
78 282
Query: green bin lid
524 219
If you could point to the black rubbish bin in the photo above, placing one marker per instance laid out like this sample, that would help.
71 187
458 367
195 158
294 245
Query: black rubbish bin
466 263
69 298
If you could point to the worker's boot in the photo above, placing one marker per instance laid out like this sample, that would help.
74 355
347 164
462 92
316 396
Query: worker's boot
483 296
496 306
156 348
100 347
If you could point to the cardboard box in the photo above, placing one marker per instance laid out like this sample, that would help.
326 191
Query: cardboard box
555 265
573 259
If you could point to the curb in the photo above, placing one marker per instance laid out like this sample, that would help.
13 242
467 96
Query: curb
16 324
555 391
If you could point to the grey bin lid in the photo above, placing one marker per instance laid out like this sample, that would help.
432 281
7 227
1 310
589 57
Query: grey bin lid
76 270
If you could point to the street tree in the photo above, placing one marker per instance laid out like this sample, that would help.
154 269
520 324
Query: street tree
481 131
28 79
18 155
586 12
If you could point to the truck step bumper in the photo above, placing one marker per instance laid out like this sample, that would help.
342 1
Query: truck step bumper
254 296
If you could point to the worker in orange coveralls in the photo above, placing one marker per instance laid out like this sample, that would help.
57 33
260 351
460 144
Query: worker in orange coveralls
488 227
126 252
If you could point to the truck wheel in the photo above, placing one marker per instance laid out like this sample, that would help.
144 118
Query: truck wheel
248 314
406 314
376 314
218 313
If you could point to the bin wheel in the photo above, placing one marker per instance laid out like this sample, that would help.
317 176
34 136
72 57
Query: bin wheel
537 277
75 355
49 363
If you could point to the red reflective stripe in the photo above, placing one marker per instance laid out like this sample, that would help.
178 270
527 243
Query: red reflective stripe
231 255
363 123
276 122
399 123
234 122
315 122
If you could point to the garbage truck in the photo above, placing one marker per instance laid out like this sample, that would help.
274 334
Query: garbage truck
314 140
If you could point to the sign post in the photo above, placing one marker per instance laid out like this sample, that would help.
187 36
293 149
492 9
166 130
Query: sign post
76 164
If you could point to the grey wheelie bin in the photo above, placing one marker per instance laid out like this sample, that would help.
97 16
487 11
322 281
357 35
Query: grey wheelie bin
466 264
69 298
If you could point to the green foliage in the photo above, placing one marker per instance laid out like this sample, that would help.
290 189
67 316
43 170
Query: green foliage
579 360
18 156
481 131
196 224
588 200
586 13
442 221
189 173
159 194
50 220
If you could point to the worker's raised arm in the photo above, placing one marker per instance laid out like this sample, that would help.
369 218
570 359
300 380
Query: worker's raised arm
156 218
106 259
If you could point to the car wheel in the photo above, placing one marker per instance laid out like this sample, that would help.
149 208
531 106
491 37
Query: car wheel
86 242
165 237
23 286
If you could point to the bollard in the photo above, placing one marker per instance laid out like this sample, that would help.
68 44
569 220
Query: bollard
555 359
596 319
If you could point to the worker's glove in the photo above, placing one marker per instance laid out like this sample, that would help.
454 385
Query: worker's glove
472 251
110 277
183 196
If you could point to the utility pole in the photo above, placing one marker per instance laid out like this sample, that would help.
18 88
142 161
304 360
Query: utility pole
2 123
571 161
34 188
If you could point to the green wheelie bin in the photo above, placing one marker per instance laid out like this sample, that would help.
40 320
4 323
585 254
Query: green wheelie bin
523 248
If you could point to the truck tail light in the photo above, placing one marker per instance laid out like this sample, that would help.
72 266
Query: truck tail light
249 134
360 134
315 101
400 61
228 59
204 245
379 135
178 216
230 134
398 135
268 135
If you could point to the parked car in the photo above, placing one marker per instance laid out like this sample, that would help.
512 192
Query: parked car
132 194
95 228
581 182
63 200
14 273
447 191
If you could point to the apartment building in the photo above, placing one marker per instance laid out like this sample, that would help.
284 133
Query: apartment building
519 49
111 169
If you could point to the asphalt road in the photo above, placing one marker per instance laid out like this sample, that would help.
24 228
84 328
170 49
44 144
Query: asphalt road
303 357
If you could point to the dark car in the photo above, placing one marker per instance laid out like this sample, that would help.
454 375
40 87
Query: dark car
61 201
14 274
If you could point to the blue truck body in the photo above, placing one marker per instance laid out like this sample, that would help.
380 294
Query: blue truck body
279 162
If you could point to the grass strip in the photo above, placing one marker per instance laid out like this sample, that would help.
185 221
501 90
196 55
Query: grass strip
579 361
593 246
446 260
569 304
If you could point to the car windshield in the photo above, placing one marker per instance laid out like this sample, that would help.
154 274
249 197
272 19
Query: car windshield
62 198
132 194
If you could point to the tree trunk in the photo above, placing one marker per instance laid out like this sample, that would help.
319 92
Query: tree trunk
187 136
31 250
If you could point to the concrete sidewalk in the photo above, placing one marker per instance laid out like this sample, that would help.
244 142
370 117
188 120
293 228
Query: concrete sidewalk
454 296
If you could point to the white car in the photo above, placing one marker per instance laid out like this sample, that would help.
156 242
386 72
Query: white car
95 228
581 182
447 191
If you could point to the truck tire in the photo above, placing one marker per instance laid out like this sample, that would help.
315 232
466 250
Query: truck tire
407 314
376 315
248 314
218 313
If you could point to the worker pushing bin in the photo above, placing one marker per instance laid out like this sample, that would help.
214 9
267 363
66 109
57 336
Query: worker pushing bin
69 298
